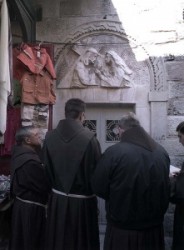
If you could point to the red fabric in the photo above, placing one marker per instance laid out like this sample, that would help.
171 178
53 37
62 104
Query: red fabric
36 59
13 123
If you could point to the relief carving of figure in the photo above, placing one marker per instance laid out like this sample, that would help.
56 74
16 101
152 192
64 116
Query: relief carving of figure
84 72
97 70
114 72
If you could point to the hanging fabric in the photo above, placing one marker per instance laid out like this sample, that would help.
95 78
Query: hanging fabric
37 59
13 123
5 86
37 83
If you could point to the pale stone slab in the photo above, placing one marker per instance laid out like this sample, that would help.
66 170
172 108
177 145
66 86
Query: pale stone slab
178 107
158 96
141 96
176 89
158 120
173 147
143 114
175 70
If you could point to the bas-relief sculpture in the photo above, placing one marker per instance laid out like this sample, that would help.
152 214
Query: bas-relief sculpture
105 67
84 73
104 36
95 69
113 72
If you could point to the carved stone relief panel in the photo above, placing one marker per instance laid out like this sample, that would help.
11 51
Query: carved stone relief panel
159 82
101 55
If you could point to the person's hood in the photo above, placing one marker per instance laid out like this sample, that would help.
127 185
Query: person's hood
140 137
68 129
21 155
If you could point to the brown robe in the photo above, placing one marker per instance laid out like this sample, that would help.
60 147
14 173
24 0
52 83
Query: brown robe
71 153
28 182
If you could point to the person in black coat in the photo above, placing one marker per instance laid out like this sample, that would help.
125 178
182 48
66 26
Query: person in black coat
133 178
177 197
30 189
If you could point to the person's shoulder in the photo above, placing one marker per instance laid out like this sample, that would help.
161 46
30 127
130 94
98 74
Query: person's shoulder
116 148
49 134
127 145
88 133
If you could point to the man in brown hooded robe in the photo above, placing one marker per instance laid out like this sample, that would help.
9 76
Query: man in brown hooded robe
70 155
30 189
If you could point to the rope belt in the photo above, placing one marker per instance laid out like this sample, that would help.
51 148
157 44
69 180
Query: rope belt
31 202
79 196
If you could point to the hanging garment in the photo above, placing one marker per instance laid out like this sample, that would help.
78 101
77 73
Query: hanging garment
37 89
13 123
5 86
36 59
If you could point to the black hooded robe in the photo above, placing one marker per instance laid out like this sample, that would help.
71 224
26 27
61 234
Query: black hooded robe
28 182
133 178
178 200
71 153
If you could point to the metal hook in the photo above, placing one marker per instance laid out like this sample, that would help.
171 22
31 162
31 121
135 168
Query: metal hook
39 45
